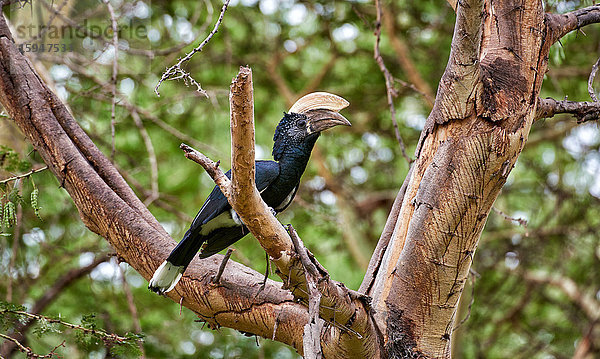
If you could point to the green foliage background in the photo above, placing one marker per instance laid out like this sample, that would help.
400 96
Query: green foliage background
289 44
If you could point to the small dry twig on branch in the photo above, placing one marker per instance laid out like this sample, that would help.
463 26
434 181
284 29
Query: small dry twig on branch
175 72
583 111
28 351
211 167
151 157
217 278
312 329
389 80
520 221
113 79
24 175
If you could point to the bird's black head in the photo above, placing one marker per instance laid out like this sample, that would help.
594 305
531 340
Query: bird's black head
299 131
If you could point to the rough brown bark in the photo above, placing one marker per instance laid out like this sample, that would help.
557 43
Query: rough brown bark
110 208
486 103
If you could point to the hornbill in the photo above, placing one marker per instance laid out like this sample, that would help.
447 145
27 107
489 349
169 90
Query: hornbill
216 225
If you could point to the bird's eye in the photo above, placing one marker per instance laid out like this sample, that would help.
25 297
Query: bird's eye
301 123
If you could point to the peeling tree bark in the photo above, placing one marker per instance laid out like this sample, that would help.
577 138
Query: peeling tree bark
484 109
486 103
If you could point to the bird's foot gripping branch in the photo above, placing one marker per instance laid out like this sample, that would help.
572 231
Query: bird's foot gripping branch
337 314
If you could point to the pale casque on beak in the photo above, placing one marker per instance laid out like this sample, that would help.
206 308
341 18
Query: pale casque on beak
321 110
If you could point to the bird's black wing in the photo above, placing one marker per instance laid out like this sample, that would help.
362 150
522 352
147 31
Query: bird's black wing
266 173
216 203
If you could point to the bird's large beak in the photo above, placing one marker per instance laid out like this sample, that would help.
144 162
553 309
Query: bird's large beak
321 109
320 120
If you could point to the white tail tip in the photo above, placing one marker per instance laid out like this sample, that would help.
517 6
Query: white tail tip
165 278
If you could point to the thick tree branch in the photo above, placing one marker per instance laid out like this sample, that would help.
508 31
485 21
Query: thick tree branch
245 199
479 124
108 206
561 24
583 111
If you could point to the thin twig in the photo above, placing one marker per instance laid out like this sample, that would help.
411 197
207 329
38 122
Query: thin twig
176 72
301 251
211 167
264 282
591 81
106 336
132 309
98 35
463 321
151 157
217 278
520 221
24 175
586 301
28 351
389 80
113 79
50 294
48 24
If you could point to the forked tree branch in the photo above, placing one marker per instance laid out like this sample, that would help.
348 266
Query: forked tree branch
108 206
341 308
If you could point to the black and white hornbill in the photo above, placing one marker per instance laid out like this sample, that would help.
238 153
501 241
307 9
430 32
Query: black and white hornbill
217 226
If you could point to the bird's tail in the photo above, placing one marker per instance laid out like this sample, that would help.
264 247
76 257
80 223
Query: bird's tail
170 271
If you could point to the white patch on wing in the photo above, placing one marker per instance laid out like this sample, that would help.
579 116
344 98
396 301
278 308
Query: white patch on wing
222 220
287 200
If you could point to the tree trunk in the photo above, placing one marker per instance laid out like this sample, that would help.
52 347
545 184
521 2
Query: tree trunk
484 109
